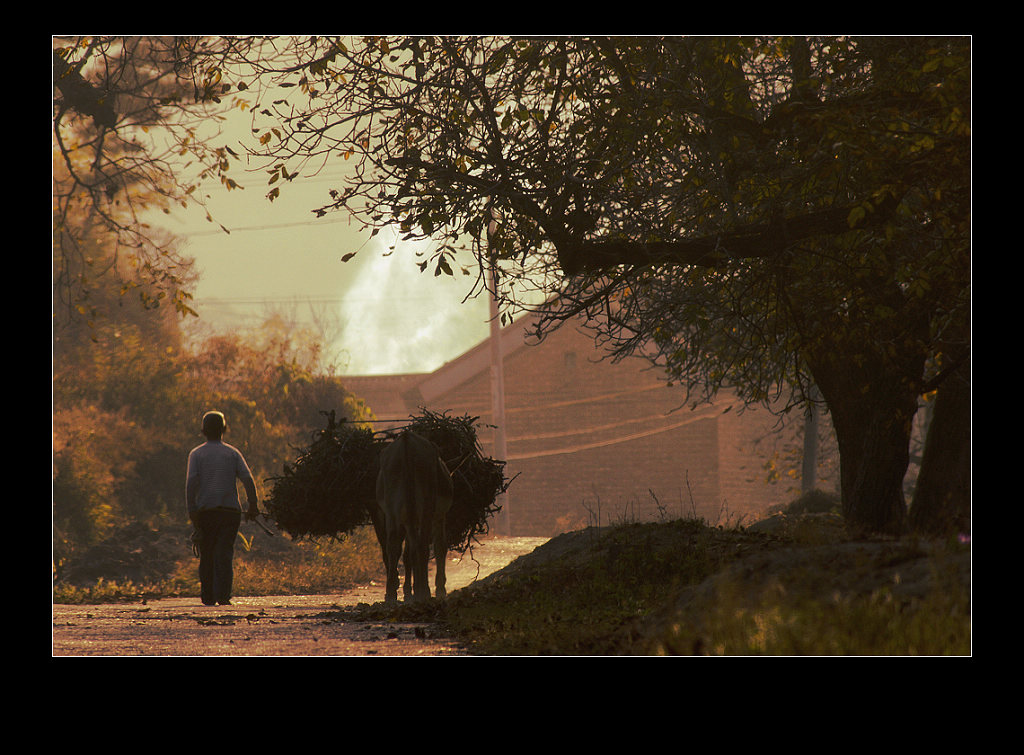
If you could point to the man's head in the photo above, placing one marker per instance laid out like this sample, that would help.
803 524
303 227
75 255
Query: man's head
214 425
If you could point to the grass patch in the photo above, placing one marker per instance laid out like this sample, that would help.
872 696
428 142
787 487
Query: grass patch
311 567
879 624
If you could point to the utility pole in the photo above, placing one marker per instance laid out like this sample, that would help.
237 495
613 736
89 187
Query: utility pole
809 472
497 371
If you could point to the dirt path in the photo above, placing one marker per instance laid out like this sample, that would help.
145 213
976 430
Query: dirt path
293 625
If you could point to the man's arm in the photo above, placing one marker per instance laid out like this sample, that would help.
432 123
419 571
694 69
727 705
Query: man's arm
245 475
250 493
191 485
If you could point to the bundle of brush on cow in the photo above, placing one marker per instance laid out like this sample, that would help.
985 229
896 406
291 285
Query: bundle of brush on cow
477 481
326 491
329 489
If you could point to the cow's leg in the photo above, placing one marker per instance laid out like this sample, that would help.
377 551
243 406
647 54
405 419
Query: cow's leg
420 560
444 503
440 559
377 518
394 551
407 564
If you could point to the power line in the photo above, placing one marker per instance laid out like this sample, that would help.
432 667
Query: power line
267 227
613 441
225 301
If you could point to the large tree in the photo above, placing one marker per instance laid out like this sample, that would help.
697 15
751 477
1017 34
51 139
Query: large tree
763 214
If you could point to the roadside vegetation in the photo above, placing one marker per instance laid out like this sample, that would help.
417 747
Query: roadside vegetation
263 566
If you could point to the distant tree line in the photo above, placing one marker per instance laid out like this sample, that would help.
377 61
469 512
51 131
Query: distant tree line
129 391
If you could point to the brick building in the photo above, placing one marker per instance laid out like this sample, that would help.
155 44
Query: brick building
590 441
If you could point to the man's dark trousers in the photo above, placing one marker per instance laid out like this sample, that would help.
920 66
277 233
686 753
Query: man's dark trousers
218 529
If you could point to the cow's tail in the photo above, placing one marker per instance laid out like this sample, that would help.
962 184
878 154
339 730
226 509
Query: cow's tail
426 491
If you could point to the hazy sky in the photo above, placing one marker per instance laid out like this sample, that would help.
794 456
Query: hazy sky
391 317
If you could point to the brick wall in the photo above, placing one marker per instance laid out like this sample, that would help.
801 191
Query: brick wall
594 441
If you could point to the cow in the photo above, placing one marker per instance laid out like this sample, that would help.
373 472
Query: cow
414 493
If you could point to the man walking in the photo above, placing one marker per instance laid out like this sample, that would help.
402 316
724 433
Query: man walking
213 506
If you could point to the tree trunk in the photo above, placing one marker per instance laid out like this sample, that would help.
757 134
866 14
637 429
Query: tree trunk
874 455
872 411
942 499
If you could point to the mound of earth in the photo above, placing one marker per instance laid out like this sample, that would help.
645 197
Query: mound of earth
808 557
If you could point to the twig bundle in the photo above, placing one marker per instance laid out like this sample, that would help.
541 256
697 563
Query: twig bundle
326 491
477 480
329 489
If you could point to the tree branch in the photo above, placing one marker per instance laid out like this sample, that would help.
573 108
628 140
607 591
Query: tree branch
756 240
